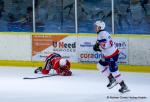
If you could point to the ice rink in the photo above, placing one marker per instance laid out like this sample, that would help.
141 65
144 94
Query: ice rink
83 86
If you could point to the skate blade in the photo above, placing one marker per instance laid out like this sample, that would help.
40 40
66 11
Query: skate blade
113 85
125 91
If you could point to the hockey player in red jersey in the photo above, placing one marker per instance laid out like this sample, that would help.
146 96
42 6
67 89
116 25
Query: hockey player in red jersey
56 62
108 63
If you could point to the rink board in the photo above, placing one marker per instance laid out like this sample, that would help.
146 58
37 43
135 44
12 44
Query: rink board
138 56
74 48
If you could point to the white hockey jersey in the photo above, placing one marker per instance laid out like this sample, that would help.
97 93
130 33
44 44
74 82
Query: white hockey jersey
107 45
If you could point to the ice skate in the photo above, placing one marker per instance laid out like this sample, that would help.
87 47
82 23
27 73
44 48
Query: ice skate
112 83
123 88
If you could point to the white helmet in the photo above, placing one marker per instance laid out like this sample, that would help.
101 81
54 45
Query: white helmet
62 62
100 24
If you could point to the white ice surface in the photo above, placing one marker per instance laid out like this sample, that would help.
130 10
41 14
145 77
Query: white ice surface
83 86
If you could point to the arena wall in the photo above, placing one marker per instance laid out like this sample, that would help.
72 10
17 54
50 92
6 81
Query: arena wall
16 50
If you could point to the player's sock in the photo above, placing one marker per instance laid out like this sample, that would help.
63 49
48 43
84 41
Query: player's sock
104 70
123 88
117 76
114 79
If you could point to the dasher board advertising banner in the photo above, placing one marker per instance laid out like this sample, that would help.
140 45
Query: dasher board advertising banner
122 44
43 45
87 55
75 49
85 51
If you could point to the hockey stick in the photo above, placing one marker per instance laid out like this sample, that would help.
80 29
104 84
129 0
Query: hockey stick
40 77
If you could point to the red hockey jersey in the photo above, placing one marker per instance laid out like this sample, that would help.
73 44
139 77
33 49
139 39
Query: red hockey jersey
52 62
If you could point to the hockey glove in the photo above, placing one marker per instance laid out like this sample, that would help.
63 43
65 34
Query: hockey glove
38 70
96 47
66 73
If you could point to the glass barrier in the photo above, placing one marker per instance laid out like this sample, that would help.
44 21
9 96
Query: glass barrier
55 16
91 10
132 16
16 15
58 16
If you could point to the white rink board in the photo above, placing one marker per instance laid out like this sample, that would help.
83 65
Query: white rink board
139 51
18 46
15 47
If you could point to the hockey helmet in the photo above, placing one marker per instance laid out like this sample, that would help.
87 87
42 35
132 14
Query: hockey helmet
100 24
62 62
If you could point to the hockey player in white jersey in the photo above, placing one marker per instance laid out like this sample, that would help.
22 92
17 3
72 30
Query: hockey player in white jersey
108 63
